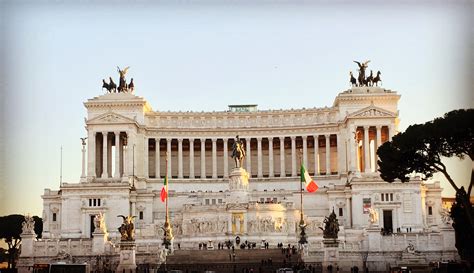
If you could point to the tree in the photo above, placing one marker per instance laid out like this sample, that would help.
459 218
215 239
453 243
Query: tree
10 230
420 149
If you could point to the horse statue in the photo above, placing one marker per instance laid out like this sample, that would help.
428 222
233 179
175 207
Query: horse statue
123 83
238 152
362 67
111 86
352 79
127 229
377 79
131 86
370 79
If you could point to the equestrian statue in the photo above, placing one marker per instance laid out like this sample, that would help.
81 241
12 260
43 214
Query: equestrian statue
238 152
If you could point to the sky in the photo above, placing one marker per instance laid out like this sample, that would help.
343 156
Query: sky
205 55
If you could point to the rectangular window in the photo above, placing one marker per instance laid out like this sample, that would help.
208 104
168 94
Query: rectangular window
386 197
219 201
275 200
340 212
98 202
382 197
54 216
213 201
90 202
391 197
95 202
141 215
430 210
207 201
262 200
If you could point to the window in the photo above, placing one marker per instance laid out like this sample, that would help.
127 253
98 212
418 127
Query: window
262 200
207 201
382 197
95 202
54 216
90 202
219 201
341 212
213 201
140 216
430 210
275 200
391 197
98 202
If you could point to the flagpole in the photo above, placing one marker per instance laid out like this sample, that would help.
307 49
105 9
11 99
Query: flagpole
301 188
166 188
302 225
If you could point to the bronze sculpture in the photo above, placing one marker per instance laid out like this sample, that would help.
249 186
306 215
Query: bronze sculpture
127 229
362 66
352 79
122 83
331 226
377 79
238 152
111 86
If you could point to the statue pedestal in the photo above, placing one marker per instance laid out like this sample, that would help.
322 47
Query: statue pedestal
238 186
374 238
27 247
127 257
331 253
99 239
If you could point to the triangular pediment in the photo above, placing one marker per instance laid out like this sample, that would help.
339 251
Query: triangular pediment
372 112
110 118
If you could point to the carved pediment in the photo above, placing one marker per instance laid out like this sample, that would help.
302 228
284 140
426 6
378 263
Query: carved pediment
110 118
372 112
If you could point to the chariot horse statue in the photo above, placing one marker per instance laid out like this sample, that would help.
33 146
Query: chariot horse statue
362 66
123 83
238 152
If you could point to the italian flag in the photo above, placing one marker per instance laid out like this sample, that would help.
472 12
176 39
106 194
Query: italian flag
164 190
311 186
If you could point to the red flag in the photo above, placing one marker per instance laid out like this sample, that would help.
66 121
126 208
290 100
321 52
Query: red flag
164 192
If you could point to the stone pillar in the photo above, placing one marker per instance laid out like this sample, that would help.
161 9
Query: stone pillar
328 154
391 131
282 157
125 160
259 157
378 143
293 156
270 157
27 244
83 173
348 210
104 155
117 155
146 158
180 158
168 156
191 158
91 154
305 151
203 158
127 261
157 158
366 150
248 155
226 158
316 155
214 158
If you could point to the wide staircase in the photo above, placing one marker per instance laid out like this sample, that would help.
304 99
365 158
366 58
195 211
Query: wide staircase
248 260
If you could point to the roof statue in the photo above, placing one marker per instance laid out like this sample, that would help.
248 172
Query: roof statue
238 152
123 87
362 66
371 80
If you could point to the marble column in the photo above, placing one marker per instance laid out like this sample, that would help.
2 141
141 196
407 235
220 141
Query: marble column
282 157
248 155
91 155
305 151
366 150
117 155
168 157
328 154
180 158
293 156
316 155
83 150
214 158
125 160
146 158
348 211
259 157
157 158
377 145
191 158
203 158
391 131
104 155
226 158
270 157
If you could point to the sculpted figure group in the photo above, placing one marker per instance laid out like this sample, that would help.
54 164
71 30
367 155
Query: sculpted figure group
123 86
331 226
362 80
127 229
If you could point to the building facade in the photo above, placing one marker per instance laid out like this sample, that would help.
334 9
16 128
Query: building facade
130 148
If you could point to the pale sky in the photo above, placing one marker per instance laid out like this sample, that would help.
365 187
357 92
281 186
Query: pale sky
204 55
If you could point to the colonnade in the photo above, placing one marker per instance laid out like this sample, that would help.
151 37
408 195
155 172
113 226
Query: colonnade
265 156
